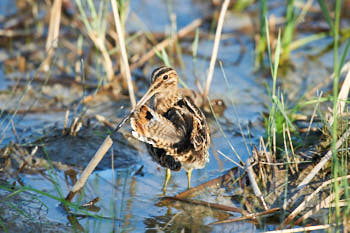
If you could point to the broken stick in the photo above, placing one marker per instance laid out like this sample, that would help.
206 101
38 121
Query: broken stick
90 167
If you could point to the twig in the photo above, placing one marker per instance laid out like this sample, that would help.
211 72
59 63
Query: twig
125 62
323 161
247 217
292 150
208 204
302 205
325 202
341 203
65 123
104 121
215 47
218 182
14 130
286 149
73 125
251 176
171 220
314 113
90 167
54 30
54 27
228 158
317 168
183 32
14 33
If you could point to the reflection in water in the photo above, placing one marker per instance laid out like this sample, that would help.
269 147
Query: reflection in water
135 207
190 220
129 203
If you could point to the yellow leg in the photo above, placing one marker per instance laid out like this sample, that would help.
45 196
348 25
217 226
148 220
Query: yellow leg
167 178
189 172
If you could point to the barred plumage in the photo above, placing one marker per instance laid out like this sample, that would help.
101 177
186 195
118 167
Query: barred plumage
175 129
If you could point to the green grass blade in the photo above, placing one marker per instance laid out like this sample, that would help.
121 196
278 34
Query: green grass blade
326 14
268 44
303 41
261 45
59 199
290 25
285 115
93 11
83 17
3 226
335 159
276 63
163 56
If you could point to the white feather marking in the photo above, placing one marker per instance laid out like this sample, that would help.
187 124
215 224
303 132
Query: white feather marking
132 123
142 138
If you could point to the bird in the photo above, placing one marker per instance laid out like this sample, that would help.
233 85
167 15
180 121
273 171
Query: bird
173 128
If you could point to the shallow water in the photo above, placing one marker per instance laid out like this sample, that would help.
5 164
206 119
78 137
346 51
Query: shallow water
129 201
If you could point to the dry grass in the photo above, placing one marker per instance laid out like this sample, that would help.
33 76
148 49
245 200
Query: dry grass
215 48
53 34
96 30
125 62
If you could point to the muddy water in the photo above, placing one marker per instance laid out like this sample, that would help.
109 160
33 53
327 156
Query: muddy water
130 192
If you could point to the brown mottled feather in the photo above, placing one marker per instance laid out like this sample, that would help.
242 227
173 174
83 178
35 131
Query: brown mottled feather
176 127
153 128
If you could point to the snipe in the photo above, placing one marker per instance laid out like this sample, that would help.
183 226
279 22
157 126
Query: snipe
174 129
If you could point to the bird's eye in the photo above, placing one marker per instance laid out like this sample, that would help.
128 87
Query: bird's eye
165 77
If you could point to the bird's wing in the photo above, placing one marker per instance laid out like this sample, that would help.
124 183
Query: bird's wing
200 135
150 127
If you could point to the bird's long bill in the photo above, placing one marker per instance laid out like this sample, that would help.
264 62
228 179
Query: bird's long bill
144 99
141 102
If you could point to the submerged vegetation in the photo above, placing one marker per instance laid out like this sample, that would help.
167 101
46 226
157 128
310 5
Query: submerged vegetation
273 78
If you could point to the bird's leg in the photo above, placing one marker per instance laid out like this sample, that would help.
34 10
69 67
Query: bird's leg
189 172
167 178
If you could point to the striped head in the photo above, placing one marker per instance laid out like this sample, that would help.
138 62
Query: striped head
163 82
164 77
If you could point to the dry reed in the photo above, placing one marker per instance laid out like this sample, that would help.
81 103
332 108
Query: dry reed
316 169
125 62
102 150
215 47
52 37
